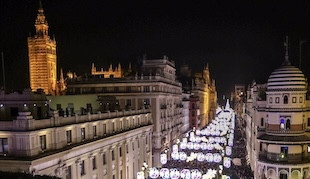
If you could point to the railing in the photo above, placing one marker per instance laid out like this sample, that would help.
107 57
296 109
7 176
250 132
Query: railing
31 124
283 158
285 131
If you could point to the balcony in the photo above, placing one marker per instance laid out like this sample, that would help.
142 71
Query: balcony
269 157
285 131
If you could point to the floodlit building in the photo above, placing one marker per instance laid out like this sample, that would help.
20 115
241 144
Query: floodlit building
95 144
42 57
154 87
185 111
110 73
278 124
202 88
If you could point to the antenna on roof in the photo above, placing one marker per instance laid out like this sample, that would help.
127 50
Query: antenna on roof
286 61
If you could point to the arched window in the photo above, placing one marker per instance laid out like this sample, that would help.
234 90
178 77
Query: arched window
288 124
285 100
282 125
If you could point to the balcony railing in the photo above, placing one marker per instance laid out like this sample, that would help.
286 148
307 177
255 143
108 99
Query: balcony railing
285 131
283 158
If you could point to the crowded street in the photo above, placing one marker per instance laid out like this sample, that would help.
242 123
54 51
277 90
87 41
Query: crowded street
206 153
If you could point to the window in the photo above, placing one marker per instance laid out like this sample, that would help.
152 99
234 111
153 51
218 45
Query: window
282 125
68 172
104 161
116 89
4 146
104 128
95 131
133 146
43 142
308 122
113 177
262 121
94 163
121 174
69 136
300 99
193 113
146 89
113 126
120 151
288 124
128 150
193 105
284 152
277 99
285 100
260 146
83 133
128 102
270 100
146 101
113 156
128 89
82 168
58 106
294 99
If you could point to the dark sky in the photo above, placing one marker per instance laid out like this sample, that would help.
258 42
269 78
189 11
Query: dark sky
241 40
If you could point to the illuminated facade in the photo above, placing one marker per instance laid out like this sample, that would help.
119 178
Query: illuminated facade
154 87
116 73
97 145
278 124
204 89
42 57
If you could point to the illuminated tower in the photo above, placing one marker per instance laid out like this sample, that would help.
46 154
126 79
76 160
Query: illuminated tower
42 57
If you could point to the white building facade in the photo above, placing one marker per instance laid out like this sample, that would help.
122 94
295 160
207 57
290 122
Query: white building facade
278 124
154 88
112 145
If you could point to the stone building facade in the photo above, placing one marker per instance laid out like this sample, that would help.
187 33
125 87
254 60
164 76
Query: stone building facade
278 124
94 145
153 87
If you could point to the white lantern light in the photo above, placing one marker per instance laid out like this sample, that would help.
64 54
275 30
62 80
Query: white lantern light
164 173
182 156
163 158
140 175
175 148
154 173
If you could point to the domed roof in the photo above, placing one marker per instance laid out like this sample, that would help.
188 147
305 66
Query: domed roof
287 77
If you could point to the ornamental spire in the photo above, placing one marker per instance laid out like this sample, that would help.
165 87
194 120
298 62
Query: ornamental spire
40 7
286 61
41 22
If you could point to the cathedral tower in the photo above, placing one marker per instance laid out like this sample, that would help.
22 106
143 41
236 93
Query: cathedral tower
42 57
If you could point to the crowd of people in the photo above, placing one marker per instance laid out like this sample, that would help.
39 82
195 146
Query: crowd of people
238 169
244 170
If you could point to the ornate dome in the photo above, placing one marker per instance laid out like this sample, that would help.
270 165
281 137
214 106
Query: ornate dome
287 77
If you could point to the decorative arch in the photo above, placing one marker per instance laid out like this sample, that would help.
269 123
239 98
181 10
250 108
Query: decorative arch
271 173
283 174
295 174
285 99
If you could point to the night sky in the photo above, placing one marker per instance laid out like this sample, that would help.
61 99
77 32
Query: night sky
241 40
